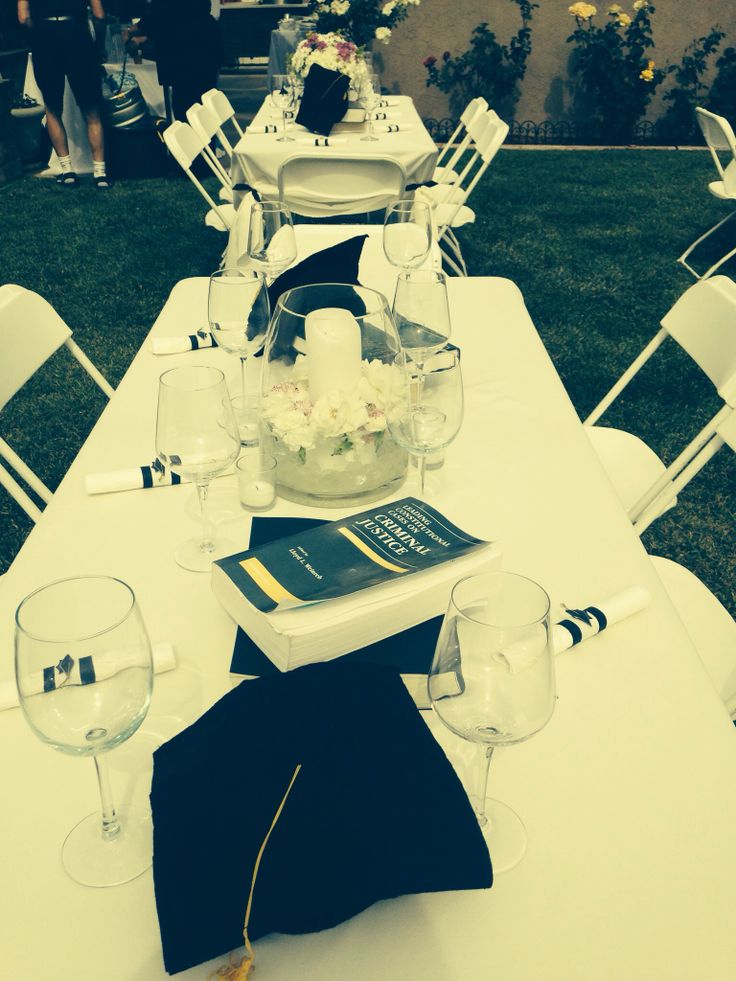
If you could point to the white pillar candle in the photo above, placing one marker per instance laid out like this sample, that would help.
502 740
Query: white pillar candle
333 345
257 494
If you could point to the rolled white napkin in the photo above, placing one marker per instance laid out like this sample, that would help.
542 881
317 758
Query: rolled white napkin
322 140
387 103
135 478
385 114
86 671
260 129
180 345
393 128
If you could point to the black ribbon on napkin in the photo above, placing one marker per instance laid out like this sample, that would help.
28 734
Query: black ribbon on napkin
325 99
242 186
375 812
415 187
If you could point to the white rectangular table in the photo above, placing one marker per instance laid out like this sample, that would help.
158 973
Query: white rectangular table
258 156
628 794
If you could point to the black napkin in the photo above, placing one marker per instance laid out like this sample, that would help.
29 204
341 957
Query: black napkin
375 812
325 99
409 652
337 264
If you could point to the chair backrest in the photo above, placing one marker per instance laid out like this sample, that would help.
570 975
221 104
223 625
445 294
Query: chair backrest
204 123
317 186
218 103
30 332
719 135
473 108
185 147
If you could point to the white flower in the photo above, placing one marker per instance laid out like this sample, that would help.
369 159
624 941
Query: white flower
388 8
340 7
383 34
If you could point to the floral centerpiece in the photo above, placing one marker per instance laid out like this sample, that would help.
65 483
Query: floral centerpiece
361 21
331 51
329 388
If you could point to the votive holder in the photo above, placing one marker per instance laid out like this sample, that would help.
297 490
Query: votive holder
247 416
256 481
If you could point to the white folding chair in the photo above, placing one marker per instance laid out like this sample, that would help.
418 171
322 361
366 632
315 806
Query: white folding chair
703 322
185 147
458 143
448 200
320 186
709 624
720 137
205 124
30 332
218 103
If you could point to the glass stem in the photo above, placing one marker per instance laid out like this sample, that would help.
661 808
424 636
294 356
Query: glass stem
422 471
283 124
110 824
484 765
242 380
206 545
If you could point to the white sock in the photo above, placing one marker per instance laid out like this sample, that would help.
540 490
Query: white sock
98 168
66 164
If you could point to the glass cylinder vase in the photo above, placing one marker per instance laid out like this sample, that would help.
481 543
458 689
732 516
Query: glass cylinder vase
328 382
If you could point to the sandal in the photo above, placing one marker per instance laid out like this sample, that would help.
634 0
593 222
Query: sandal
67 179
103 182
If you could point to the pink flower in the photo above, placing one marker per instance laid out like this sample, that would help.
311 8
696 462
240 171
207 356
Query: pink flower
429 61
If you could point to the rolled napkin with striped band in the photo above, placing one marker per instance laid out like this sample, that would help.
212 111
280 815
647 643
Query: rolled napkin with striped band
261 129
392 128
134 478
180 345
86 671
322 140
383 114
386 103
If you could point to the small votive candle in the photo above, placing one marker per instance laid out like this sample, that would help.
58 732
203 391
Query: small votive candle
256 481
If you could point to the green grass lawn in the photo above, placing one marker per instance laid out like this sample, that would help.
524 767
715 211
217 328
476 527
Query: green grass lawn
591 238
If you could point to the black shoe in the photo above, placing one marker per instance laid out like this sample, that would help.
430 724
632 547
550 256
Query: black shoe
103 182
67 179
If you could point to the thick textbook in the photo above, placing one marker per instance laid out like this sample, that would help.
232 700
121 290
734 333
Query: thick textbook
321 593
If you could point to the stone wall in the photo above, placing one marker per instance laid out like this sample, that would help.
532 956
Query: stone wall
441 25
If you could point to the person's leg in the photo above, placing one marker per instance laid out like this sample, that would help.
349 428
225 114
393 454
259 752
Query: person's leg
83 73
57 133
49 71
95 133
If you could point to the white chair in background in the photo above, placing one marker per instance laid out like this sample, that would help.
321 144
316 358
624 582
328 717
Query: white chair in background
709 624
703 323
720 137
218 103
205 124
185 147
318 187
30 332
448 200
453 150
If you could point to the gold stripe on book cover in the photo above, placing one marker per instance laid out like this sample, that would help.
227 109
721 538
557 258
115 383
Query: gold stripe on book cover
373 556
265 581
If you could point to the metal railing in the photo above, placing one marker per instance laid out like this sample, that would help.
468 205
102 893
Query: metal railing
566 133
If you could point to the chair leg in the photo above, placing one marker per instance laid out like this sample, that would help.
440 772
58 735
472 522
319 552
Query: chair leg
696 243
455 246
457 270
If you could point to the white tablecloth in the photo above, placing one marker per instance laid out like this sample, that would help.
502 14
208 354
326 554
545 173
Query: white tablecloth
628 794
76 129
257 157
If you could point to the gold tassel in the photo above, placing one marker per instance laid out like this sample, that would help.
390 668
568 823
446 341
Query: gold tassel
242 970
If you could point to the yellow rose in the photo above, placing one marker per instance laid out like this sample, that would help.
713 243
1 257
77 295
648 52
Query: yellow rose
615 9
584 11
650 64
646 75
624 20
640 4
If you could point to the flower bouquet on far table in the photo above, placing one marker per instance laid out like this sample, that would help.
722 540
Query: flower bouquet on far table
330 51
361 21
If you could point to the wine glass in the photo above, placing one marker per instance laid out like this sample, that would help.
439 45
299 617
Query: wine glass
283 96
422 314
197 438
238 311
492 682
369 94
407 233
271 239
85 676
428 414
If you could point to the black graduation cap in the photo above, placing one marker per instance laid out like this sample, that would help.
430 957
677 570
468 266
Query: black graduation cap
375 811
324 101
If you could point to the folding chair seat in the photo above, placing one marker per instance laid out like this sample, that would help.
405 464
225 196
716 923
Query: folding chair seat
709 624
318 187
719 136
30 332
448 200
205 124
703 323
453 150
185 147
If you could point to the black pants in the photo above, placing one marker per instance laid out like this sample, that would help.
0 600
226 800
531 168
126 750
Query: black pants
65 49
